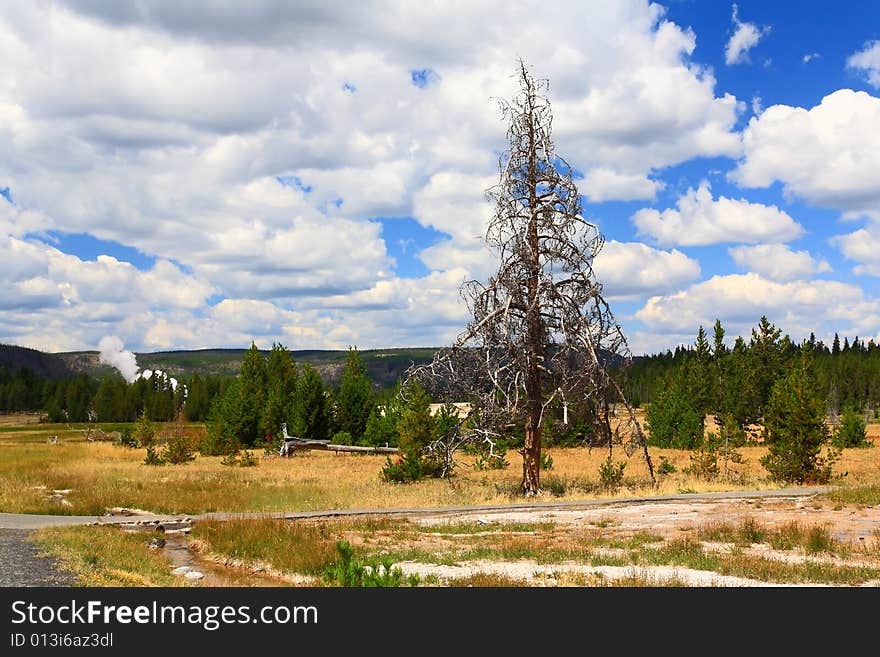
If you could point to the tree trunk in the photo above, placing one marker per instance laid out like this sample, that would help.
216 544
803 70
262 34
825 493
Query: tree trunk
531 483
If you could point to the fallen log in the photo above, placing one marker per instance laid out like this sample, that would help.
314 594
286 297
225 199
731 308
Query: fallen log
290 446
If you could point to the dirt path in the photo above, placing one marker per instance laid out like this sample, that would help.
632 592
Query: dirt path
35 521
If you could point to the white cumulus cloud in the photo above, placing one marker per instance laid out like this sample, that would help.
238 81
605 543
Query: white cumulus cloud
867 62
777 261
739 300
634 270
700 219
828 154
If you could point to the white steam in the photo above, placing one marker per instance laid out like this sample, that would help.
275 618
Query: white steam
146 374
113 353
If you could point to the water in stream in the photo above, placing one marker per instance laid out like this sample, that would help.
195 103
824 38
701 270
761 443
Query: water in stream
215 574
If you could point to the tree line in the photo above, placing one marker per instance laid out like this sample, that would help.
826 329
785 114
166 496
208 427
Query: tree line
767 389
82 398
846 374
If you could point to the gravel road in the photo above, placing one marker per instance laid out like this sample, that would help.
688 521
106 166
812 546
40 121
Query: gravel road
21 566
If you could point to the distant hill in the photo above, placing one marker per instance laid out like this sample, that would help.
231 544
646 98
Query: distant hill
384 366
48 366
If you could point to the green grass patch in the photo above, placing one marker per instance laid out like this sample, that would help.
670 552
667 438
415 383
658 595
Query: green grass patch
107 556
632 542
288 546
860 495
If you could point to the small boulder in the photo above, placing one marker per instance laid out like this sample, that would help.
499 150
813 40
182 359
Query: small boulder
181 570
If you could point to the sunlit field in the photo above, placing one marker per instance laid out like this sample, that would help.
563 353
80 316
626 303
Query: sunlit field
76 476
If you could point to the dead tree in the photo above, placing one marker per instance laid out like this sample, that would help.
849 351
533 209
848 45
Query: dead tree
541 333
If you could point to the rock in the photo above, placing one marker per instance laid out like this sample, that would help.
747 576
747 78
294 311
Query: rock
181 570
156 543
194 575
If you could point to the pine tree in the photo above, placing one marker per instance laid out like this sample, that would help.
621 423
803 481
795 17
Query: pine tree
851 432
765 349
794 427
281 379
416 430
381 428
144 432
197 402
672 419
109 401
738 395
355 400
311 417
835 346
719 350
251 397
701 379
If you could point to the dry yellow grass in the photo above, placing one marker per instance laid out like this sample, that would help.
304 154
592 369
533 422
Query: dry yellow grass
101 476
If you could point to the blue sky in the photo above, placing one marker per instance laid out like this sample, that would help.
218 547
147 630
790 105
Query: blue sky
203 175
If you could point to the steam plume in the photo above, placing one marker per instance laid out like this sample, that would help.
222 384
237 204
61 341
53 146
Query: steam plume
113 353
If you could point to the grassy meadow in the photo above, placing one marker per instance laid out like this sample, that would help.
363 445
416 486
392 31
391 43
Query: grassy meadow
76 476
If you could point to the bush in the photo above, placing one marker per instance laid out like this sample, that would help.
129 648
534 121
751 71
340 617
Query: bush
126 438
408 468
178 448
491 456
704 462
611 475
217 442
556 486
342 438
851 432
153 457
244 459
665 467
546 462
416 429
351 572
144 431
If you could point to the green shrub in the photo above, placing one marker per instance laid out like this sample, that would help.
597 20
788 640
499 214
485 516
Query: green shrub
126 438
555 485
546 461
490 457
665 467
351 572
242 459
851 432
178 448
342 438
416 430
611 474
704 461
217 442
153 457
144 431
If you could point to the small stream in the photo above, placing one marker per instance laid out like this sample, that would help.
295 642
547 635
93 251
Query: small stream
215 574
